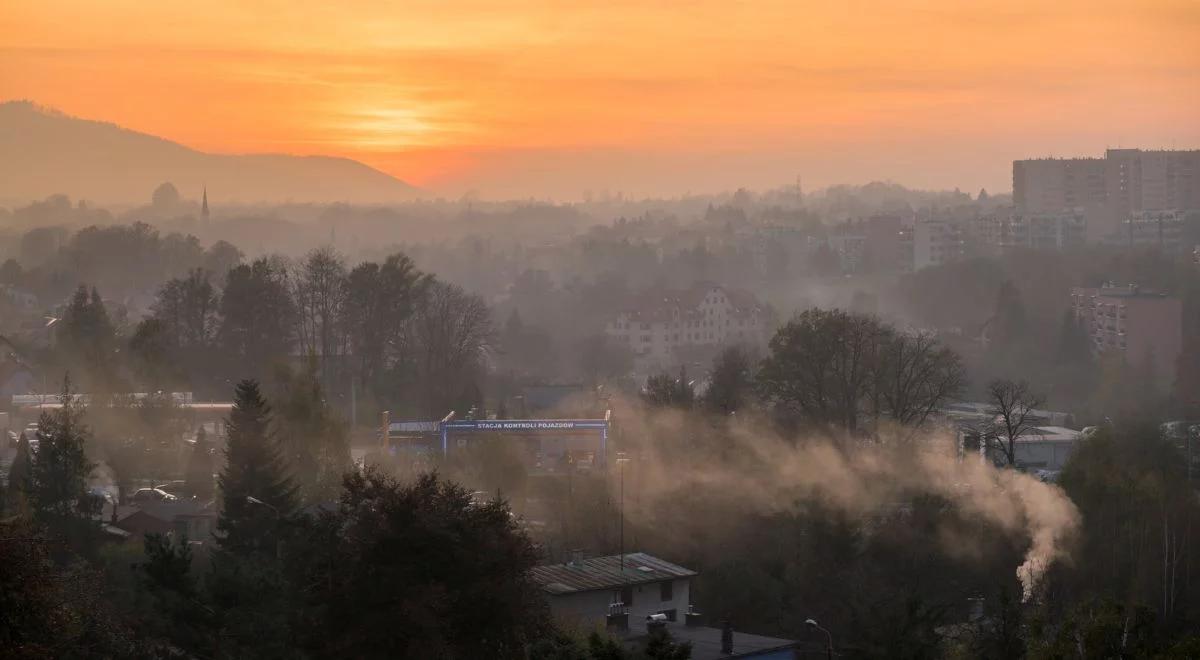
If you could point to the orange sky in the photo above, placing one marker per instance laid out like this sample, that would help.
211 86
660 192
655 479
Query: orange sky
550 99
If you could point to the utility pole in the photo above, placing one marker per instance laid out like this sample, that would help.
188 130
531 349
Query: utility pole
621 461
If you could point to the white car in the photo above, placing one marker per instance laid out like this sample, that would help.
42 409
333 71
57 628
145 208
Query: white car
144 495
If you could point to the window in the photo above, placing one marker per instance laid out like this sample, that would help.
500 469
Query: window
627 596
666 591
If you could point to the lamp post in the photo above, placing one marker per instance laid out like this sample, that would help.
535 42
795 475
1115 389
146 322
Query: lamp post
812 623
250 499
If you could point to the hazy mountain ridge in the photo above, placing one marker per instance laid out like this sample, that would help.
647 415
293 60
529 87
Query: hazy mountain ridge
47 152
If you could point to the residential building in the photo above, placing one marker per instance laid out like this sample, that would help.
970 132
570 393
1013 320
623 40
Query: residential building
1143 326
581 590
660 325
1108 190
626 593
1161 229
938 240
194 519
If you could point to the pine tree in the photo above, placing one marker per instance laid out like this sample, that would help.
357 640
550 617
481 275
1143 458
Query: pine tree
313 438
255 477
200 468
60 470
20 474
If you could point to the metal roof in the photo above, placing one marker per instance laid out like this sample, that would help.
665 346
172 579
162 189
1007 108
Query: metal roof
605 573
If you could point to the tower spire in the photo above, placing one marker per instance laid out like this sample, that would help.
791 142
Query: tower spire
204 206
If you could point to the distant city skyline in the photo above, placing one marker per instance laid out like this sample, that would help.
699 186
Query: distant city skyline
527 99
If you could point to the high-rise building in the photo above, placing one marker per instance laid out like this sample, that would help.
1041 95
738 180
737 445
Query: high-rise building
1108 190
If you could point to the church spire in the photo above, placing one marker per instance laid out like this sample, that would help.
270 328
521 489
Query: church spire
204 205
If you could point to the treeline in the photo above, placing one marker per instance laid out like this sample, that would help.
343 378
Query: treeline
49 261
383 335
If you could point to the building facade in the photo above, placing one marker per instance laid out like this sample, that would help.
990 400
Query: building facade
1144 327
660 326
1108 190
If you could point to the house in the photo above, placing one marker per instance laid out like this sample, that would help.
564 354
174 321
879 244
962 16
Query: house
581 590
632 593
187 517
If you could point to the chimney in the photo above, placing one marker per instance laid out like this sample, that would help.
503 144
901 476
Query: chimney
693 618
726 637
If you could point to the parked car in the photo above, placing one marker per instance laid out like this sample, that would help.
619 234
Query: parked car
178 488
146 495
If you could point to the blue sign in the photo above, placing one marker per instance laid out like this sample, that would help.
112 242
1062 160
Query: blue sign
525 425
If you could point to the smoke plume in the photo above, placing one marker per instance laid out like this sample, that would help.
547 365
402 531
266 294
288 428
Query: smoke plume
770 474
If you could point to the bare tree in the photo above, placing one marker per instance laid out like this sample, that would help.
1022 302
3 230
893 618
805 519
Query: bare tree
453 333
320 293
1013 416
916 375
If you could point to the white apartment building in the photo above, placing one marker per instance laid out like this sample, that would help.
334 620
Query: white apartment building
707 315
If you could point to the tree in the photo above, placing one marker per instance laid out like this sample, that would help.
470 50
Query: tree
1007 325
1136 548
527 350
221 257
666 391
313 440
1074 344
1013 416
258 317
168 563
155 355
255 477
830 369
380 300
20 475
453 333
60 472
51 609
199 475
820 367
420 571
916 375
603 359
86 337
187 309
320 294
731 381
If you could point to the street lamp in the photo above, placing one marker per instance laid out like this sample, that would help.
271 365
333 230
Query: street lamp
250 499
812 623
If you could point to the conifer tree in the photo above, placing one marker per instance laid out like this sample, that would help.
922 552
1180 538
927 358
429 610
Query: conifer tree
20 473
60 468
256 492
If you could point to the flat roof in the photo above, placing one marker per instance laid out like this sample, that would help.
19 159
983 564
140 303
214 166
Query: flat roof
605 573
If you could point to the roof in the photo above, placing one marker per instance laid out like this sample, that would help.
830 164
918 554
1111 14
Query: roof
1050 434
706 641
168 511
605 573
